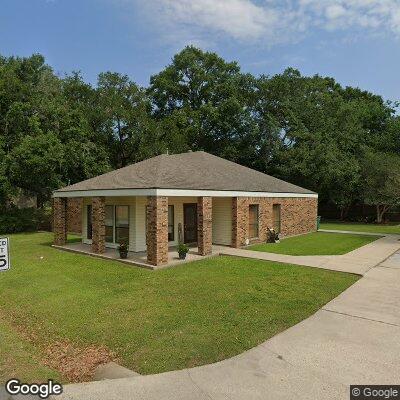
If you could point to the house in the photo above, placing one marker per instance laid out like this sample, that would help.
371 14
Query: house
195 197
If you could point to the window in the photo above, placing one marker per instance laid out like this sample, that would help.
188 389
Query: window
171 229
89 221
121 224
109 223
277 217
253 221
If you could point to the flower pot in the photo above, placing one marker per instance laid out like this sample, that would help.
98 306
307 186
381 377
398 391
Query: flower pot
182 256
123 254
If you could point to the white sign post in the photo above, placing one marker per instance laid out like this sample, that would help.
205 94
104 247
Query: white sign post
4 254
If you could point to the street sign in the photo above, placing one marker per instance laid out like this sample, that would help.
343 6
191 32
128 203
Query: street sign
4 254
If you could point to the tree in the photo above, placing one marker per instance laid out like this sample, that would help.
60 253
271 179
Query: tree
127 126
204 101
381 182
315 137
36 165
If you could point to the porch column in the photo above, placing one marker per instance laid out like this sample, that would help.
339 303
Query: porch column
204 225
157 230
240 221
98 224
60 220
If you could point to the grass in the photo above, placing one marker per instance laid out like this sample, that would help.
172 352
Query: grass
19 358
316 243
154 321
362 227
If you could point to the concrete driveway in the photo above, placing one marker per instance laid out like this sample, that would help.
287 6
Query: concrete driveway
354 339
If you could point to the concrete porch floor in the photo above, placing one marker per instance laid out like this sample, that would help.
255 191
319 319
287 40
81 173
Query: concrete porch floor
140 258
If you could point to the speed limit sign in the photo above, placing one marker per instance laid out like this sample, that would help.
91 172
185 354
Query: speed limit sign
4 254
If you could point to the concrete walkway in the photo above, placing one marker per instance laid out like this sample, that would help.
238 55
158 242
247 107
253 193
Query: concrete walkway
358 261
354 339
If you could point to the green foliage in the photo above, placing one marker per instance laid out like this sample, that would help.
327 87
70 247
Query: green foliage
308 130
204 103
182 248
381 181
20 220
36 165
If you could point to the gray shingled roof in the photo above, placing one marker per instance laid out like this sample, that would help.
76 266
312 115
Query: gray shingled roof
197 170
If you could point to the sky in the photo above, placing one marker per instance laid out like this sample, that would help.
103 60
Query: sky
355 41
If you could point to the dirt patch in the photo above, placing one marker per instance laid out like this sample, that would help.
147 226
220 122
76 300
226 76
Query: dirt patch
74 363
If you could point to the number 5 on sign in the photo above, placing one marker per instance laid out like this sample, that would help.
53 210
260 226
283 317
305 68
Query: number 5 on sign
4 255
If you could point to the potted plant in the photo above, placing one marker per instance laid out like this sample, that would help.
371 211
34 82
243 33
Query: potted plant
123 250
271 235
182 250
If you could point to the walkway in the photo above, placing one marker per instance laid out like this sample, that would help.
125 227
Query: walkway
354 339
358 261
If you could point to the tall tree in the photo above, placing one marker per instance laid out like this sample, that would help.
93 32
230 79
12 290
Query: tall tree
204 101
381 182
130 132
323 132
36 165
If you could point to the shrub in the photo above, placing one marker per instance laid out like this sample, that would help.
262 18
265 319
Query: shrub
13 220
182 248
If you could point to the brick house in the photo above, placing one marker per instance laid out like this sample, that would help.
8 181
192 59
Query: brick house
192 197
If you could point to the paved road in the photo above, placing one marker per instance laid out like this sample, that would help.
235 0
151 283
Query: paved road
354 339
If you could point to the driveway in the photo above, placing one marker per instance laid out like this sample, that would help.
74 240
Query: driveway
354 339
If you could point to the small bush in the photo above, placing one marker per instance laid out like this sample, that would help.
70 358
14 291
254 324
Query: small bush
14 220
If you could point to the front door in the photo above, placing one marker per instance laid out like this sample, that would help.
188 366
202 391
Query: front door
190 223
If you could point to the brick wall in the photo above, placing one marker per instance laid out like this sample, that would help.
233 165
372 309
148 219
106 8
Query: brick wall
157 230
59 220
298 216
98 227
204 225
74 215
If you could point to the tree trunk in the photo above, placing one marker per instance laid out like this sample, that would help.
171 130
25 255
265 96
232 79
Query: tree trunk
380 212
344 211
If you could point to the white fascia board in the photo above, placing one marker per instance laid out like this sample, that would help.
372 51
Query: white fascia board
177 193
106 193
227 193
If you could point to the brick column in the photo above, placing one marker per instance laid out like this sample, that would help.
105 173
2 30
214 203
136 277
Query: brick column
240 221
157 230
204 225
60 220
98 227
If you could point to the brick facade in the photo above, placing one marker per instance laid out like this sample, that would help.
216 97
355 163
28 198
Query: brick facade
74 215
204 225
98 227
60 220
298 216
157 230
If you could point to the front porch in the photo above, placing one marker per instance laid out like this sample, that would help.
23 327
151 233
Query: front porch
139 259
152 226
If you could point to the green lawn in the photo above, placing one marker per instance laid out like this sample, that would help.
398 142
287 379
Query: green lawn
153 321
316 243
362 227
19 358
